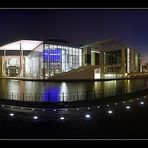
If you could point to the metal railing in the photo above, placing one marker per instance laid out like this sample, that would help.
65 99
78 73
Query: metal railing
65 97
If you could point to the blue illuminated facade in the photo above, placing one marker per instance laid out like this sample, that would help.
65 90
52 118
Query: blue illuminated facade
52 55
51 58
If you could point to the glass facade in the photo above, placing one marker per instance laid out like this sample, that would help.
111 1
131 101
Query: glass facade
48 60
53 57
12 67
34 63
59 58
112 57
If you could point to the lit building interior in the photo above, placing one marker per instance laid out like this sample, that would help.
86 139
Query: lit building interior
57 59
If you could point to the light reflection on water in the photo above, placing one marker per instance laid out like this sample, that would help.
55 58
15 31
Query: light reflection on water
56 91
52 94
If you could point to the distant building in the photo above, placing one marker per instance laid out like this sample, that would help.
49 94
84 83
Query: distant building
145 68
57 59
113 58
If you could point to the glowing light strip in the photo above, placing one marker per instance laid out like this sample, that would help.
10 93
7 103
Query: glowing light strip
128 61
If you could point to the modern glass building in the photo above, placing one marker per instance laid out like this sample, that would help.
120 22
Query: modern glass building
52 57
57 59
12 57
38 59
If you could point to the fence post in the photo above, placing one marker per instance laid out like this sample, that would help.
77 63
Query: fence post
12 95
4 94
48 97
35 97
102 93
69 95
23 97
86 95
1 95
63 97
94 94
77 96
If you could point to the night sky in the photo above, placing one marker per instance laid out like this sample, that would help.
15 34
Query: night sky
78 26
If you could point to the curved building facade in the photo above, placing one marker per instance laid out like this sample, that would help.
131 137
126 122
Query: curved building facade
38 59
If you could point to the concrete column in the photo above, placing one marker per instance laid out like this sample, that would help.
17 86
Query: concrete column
101 63
139 63
132 64
21 61
1 63
22 67
93 58
86 51
83 56
123 61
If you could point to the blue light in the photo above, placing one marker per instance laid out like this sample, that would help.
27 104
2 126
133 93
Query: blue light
52 94
54 55
45 55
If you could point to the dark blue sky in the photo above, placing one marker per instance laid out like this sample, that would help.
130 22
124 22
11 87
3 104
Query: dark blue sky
78 26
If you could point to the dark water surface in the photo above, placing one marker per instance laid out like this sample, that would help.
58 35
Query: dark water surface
69 91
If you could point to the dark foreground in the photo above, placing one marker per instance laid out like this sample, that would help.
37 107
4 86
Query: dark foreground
122 123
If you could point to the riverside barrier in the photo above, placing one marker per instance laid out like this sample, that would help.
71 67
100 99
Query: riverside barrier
79 99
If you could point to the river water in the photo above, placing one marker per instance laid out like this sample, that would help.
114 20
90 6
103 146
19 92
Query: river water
67 91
